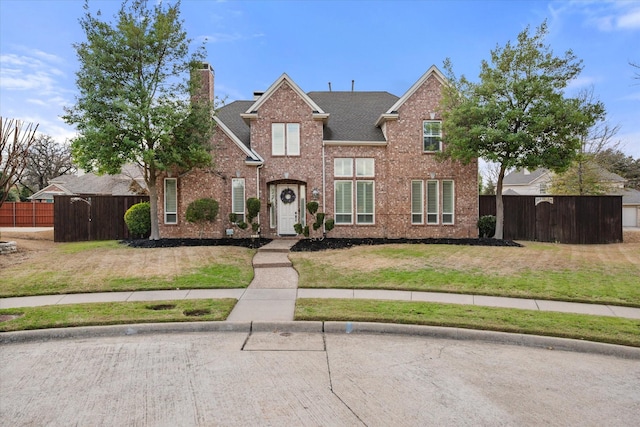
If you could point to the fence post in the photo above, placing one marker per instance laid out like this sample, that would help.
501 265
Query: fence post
14 214
33 213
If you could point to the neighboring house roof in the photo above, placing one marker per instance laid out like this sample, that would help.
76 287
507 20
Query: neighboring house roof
630 196
524 177
129 182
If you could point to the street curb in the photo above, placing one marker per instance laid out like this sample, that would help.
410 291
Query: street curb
524 340
19 337
355 328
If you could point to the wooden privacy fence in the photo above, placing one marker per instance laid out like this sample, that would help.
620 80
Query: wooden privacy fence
562 219
92 217
26 214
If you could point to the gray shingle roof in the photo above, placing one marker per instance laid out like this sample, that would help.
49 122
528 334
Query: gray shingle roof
230 116
519 177
352 115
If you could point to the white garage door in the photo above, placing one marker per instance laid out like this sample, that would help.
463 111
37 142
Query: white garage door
629 216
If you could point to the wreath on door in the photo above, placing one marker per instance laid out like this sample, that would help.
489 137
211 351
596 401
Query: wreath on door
287 196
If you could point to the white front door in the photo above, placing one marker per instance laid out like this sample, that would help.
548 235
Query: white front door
287 195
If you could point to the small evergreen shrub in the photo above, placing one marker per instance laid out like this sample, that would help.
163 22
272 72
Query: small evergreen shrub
329 224
312 207
487 226
253 208
138 219
201 211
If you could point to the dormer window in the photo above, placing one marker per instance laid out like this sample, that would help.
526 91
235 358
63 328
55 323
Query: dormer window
432 136
285 139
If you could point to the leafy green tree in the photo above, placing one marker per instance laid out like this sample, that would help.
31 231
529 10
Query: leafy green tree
583 178
138 86
517 115
618 162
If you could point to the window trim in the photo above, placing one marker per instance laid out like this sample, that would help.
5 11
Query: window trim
422 200
373 203
433 214
167 212
346 160
361 160
240 215
287 145
431 135
335 203
453 202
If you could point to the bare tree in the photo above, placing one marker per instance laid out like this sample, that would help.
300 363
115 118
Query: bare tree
47 160
15 141
637 70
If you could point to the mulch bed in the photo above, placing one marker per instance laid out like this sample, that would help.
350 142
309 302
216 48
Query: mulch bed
313 245
174 243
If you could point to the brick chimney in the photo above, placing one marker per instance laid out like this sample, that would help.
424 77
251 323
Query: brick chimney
205 75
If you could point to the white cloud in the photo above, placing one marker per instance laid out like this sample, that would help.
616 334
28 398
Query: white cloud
629 21
582 82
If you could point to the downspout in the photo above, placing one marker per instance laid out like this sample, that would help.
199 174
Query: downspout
324 183
258 186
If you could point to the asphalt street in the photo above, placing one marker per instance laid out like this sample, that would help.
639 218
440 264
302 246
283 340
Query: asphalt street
309 379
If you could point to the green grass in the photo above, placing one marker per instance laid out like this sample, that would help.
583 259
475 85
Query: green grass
77 247
63 316
590 285
593 328
54 274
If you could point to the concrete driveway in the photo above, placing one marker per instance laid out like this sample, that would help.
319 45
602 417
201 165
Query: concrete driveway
309 379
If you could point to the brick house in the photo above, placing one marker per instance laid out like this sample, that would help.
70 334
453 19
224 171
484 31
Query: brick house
367 158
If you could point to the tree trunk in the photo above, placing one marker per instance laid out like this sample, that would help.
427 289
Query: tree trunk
499 206
153 202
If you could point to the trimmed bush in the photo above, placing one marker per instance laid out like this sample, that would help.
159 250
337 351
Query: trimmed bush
138 219
487 226
201 211
329 224
312 207
253 208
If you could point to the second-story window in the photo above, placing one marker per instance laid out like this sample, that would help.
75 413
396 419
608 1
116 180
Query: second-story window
432 135
285 139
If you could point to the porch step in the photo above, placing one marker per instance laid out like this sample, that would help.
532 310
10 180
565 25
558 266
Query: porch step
271 259
278 245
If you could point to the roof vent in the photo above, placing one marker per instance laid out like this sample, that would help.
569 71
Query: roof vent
257 94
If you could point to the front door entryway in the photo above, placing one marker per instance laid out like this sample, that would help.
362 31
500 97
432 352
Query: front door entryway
287 195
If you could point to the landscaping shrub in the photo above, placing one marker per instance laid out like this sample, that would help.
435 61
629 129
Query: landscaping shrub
487 226
201 211
138 219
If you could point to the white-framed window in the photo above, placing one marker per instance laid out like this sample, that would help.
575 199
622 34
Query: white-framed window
285 139
170 201
343 167
237 198
432 202
447 202
432 135
417 202
343 202
365 195
365 167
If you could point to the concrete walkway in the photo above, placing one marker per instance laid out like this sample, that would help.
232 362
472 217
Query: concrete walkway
272 294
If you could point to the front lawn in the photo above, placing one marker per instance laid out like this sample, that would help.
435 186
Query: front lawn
109 266
606 274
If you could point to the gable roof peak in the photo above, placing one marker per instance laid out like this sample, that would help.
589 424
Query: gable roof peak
392 112
284 78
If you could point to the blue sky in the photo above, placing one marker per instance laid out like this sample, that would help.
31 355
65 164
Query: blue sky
382 45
